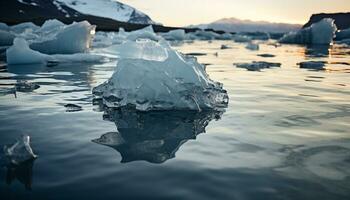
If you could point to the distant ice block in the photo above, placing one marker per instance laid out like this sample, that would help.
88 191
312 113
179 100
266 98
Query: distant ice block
22 27
178 82
316 65
343 34
252 46
145 33
321 33
178 34
20 151
257 65
224 47
74 38
6 38
241 38
20 53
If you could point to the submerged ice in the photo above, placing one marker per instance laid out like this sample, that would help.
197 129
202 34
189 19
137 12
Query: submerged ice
159 78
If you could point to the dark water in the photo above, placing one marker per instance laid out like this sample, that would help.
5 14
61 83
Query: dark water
284 135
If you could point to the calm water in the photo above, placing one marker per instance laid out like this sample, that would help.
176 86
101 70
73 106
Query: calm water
284 135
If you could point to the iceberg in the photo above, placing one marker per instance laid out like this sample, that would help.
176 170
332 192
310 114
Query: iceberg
175 82
242 38
20 53
20 151
74 38
178 34
320 33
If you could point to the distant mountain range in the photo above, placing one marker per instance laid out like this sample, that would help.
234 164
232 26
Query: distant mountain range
239 25
14 11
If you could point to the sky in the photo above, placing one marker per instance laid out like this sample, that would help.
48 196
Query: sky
187 12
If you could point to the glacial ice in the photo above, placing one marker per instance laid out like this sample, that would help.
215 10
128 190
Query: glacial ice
20 53
74 38
178 34
20 151
241 38
321 33
177 82
145 33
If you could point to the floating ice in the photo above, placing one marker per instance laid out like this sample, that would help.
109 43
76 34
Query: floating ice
257 65
20 53
241 38
343 34
20 151
74 38
25 86
321 32
316 65
224 47
266 55
6 38
178 34
178 82
252 46
72 107
20 28
145 33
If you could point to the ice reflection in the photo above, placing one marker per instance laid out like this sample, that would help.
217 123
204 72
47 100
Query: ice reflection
23 173
153 136
317 51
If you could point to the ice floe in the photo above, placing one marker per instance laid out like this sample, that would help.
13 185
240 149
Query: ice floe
321 33
257 65
20 151
316 65
175 82
252 46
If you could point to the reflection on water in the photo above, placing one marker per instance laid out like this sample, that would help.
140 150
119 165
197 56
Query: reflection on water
153 136
317 51
23 173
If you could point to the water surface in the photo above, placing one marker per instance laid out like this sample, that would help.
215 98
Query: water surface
284 135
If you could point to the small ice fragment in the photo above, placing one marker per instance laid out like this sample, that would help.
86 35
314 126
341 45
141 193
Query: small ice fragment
252 46
266 55
257 65
316 65
224 47
20 151
72 108
25 86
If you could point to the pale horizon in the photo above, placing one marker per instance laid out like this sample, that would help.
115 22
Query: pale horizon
184 13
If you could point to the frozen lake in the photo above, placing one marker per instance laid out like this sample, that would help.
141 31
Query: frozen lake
284 135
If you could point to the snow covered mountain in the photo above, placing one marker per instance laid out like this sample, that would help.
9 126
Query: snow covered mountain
109 9
69 9
238 25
